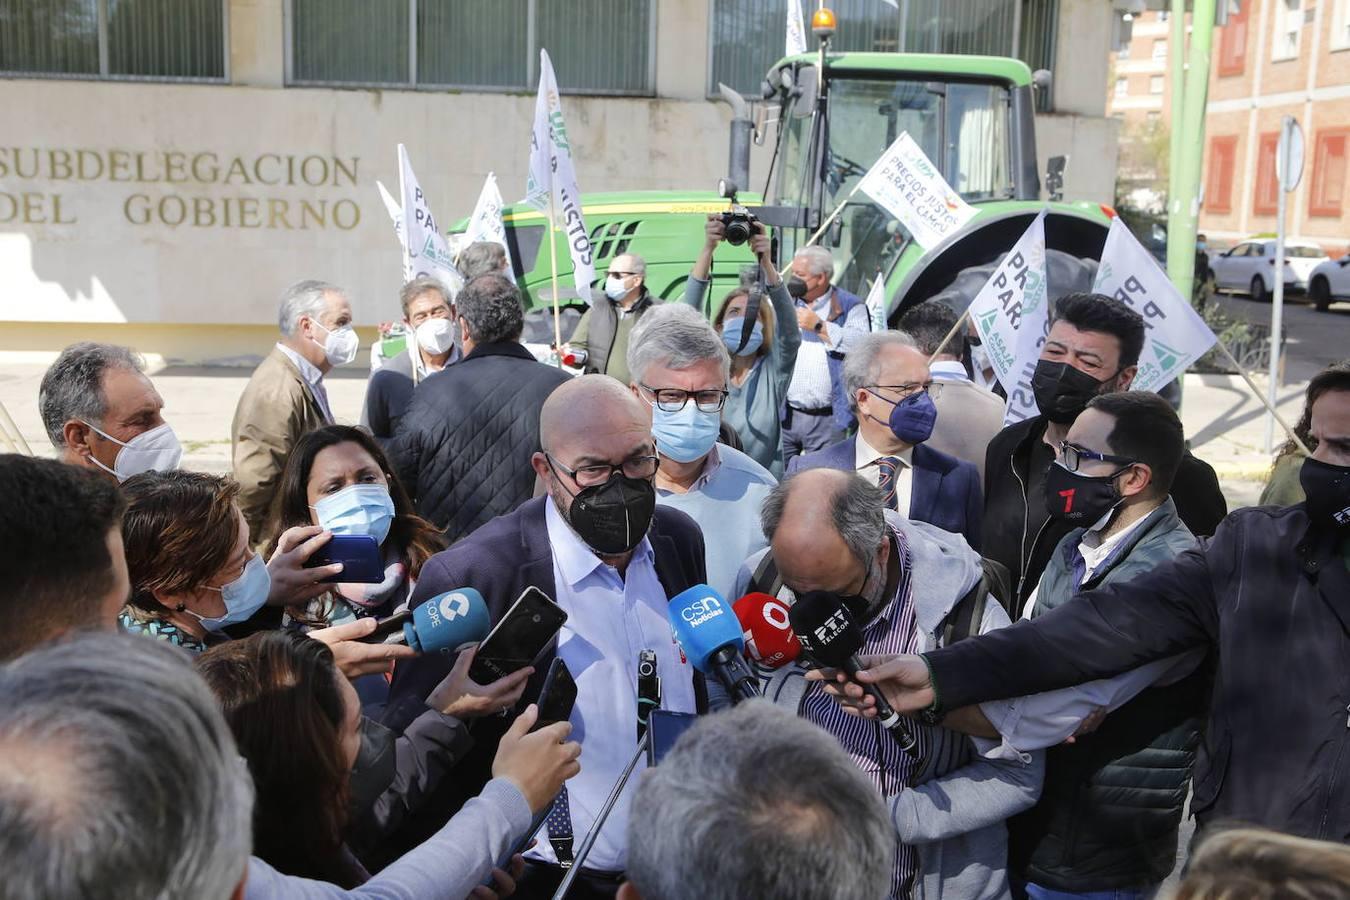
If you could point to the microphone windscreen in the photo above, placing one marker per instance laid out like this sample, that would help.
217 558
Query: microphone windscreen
448 621
826 629
703 623
767 630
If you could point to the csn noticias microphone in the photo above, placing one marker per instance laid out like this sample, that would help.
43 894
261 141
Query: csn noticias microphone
769 639
711 638
831 638
443 624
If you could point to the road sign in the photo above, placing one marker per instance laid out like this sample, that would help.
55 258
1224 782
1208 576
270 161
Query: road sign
1289 154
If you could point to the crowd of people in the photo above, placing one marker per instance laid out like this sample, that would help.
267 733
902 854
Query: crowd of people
1077 632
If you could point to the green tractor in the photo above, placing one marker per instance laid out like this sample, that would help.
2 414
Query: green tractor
835 115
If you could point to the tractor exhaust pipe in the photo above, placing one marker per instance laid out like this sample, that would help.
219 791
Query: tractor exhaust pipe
742 133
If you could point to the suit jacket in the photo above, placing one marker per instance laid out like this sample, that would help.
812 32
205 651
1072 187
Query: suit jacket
946 490
500 560
968 418
277 406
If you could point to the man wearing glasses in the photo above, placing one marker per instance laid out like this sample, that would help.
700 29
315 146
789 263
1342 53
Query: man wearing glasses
599 545
600 341
891 391
680 368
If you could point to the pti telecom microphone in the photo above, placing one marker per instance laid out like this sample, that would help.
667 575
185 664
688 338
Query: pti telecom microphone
769 639
443 624
710 637
831 638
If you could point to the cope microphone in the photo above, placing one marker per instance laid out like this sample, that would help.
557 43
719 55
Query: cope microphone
711 638
767 630
831 638
443 624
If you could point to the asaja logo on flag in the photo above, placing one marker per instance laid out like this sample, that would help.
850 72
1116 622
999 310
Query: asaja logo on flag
986 321
1167 357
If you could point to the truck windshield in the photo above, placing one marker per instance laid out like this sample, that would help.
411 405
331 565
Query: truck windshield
962 127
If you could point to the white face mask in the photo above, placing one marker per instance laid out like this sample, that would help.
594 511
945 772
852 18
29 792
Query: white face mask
436 336
340 347
156 450
614 287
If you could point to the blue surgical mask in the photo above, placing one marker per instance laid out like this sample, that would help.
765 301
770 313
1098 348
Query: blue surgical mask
912 419
243 597
731 336
357 509
686 435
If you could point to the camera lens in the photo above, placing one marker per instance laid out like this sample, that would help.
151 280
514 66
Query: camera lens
737 232
538 618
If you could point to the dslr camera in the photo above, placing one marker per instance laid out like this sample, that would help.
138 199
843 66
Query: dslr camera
739 222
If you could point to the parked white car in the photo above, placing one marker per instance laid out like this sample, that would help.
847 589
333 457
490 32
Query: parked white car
1330 281
1250 267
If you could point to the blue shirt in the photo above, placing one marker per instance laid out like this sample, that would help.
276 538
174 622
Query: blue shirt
609 621
725 502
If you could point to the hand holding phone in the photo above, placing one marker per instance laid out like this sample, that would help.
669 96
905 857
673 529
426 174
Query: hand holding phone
459 695
515 642
359 555
557 696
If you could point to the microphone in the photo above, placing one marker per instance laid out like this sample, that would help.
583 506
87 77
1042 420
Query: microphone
830 638
443 624
767 630
711 638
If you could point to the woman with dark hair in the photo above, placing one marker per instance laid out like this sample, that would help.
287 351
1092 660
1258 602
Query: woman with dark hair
338 480
762 362
1282 485
297 723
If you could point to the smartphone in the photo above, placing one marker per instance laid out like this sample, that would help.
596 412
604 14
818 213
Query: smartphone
517 640
557 696
389 630
664 729
359 555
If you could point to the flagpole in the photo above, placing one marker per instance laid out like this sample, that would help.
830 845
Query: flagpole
553 267
7 423
1260 395
951 334
837 210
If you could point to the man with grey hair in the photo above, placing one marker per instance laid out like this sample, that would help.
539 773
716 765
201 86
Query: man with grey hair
102 413
429 324
679 366
463 447
891 390
831 321
600 341
905 584
754 802
483 258
285 397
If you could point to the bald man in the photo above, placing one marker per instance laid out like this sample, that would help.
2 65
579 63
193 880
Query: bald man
903 582
602 334
598 544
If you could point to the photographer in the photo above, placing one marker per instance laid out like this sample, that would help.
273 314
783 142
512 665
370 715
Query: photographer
761 365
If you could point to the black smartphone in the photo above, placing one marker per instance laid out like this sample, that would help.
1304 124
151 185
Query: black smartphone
664 729
557 696
359 555
388 629
517 640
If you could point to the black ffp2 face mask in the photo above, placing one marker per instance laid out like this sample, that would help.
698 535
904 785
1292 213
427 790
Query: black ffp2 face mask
1080 500
612 518
1328 490
796 286
1062 392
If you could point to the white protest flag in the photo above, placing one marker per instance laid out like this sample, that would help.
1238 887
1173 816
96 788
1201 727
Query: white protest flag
486 222
1175 335
396 214
552 175
427 253
1009 312
876 304
907 184
891 3
796 29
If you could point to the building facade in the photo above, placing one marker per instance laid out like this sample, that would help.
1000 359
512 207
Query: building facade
171 165
1140 99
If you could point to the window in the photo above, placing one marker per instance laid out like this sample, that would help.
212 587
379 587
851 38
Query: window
1159 50
1156 84
150 39
1329 173
1219 177
1153 118
1233 42
1288 27
1340 25
1122 87
478 44
1267 198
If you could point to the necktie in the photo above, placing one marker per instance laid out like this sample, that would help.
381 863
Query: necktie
889 466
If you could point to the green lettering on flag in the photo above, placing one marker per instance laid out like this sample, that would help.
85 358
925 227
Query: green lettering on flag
986 321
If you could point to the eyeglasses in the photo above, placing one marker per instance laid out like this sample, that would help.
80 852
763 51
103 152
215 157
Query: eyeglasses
673 399
1072 456
639 467
932 388
615 274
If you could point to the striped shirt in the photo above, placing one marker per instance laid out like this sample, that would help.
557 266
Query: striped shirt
876 753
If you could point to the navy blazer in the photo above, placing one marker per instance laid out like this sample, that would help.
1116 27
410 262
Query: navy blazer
945 492
499 560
